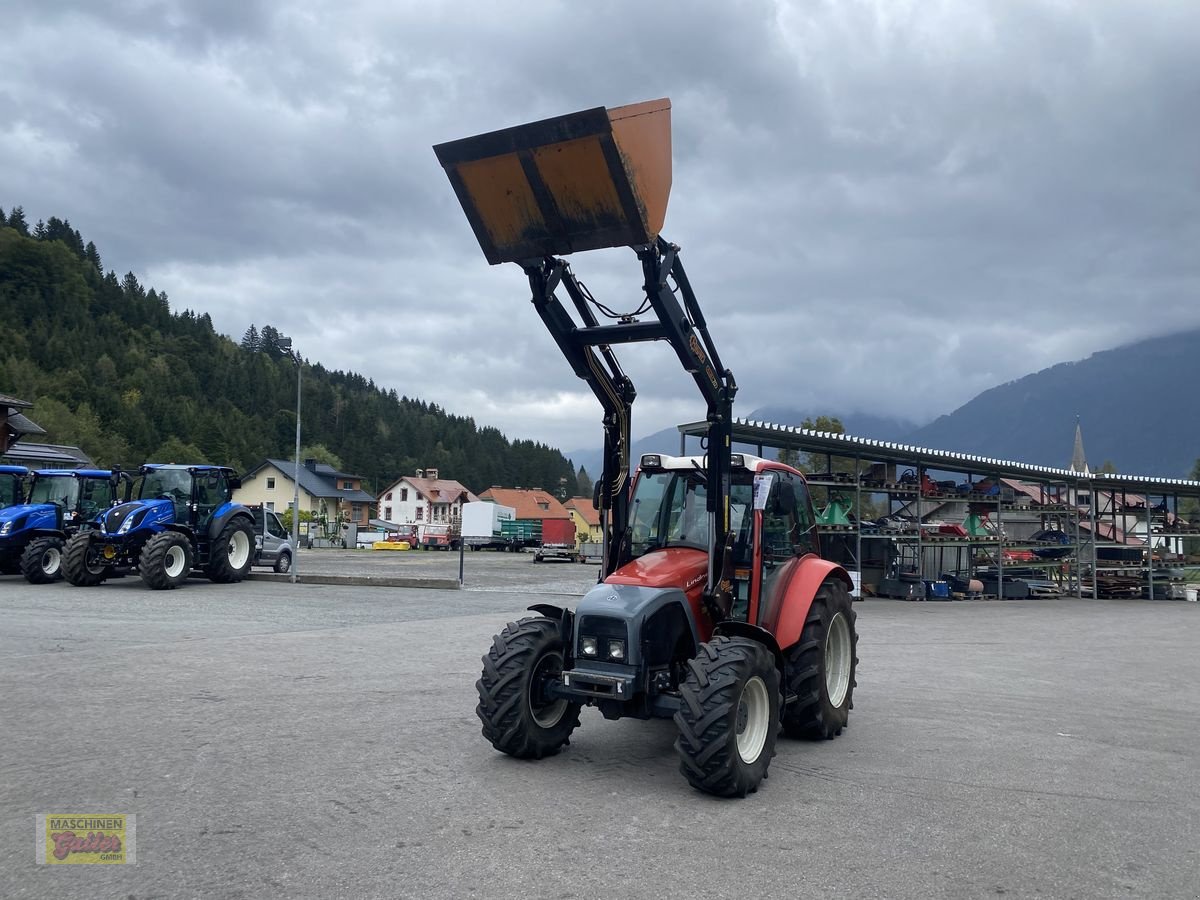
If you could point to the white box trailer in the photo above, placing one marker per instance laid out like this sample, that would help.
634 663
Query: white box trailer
481 524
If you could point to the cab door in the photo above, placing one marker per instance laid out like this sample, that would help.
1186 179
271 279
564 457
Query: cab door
786 534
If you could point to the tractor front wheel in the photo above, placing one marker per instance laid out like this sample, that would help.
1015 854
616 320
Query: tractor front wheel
166 561
41 563
820 668
232 553
518 717
81 562
729 717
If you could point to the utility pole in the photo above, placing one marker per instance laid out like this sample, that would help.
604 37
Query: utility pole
285 344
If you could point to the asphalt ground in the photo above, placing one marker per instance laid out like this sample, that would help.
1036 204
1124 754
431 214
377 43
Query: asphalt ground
279 740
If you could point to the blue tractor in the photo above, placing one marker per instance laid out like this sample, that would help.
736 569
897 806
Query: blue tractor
183 519
11 478
60 502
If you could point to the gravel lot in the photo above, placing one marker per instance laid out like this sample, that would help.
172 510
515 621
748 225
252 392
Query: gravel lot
320 741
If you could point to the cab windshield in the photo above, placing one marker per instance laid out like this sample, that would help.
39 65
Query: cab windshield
173 484
63 490
668 510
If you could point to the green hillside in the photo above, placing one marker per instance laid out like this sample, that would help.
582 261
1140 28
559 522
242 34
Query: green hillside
111 368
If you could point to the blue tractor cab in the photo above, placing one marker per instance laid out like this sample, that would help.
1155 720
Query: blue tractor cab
184 518
58 503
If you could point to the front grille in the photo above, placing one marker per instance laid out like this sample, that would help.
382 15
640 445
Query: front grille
603 627
115 516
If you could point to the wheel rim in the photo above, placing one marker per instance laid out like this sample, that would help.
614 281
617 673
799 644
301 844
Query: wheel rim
51 561
285 563
838 654
93 562
546 715
753 719
174 561
239 549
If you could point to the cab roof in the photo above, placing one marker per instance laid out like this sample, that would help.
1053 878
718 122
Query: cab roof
76 473
152 467
661 461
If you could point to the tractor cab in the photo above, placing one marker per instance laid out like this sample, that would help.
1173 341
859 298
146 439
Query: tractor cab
772 525
11 478
186 495
78 495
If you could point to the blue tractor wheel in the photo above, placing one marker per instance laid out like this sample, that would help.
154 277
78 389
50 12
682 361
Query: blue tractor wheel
166 561
81 562
41 563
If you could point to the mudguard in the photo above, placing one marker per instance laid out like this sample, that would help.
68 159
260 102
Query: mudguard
734 628
633 606
811 573
223 514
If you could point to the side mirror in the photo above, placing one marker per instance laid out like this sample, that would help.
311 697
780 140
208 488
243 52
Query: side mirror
596 494
235 482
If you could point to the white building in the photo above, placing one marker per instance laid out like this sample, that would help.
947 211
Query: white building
423 498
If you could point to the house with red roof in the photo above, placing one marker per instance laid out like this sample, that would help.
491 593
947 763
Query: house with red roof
424 498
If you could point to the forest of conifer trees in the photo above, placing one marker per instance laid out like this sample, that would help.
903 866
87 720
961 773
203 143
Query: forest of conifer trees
112 369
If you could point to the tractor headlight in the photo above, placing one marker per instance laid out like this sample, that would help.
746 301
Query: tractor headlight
6 527
616 650
127 524
588 646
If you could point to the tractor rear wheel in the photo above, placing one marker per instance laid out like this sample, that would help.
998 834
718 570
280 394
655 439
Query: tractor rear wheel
729 717
166 561
41 563
518 718
820 668
232 553
81 564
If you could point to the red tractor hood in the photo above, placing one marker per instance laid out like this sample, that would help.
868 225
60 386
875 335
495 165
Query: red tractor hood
681 567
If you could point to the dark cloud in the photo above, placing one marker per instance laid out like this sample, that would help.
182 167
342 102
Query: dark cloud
884 206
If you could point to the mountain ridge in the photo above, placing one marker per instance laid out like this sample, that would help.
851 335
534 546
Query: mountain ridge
1132 403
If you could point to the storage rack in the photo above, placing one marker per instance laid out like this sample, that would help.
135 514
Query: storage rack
1068 501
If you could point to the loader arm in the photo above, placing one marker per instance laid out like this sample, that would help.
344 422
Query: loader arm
587 345
592 179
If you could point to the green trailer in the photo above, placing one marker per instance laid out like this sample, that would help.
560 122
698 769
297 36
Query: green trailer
522 533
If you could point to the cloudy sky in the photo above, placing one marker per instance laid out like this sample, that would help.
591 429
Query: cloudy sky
883 206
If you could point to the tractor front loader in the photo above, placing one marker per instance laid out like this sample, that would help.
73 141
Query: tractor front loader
714 607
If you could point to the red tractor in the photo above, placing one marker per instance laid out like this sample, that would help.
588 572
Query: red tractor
715 606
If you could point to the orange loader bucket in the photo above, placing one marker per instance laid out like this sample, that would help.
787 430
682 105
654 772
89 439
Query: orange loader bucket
590 179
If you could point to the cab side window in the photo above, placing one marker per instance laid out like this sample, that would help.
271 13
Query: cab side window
93 498
780 528
806 530
788 520
210 493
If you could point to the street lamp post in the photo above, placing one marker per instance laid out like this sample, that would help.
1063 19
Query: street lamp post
285 344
